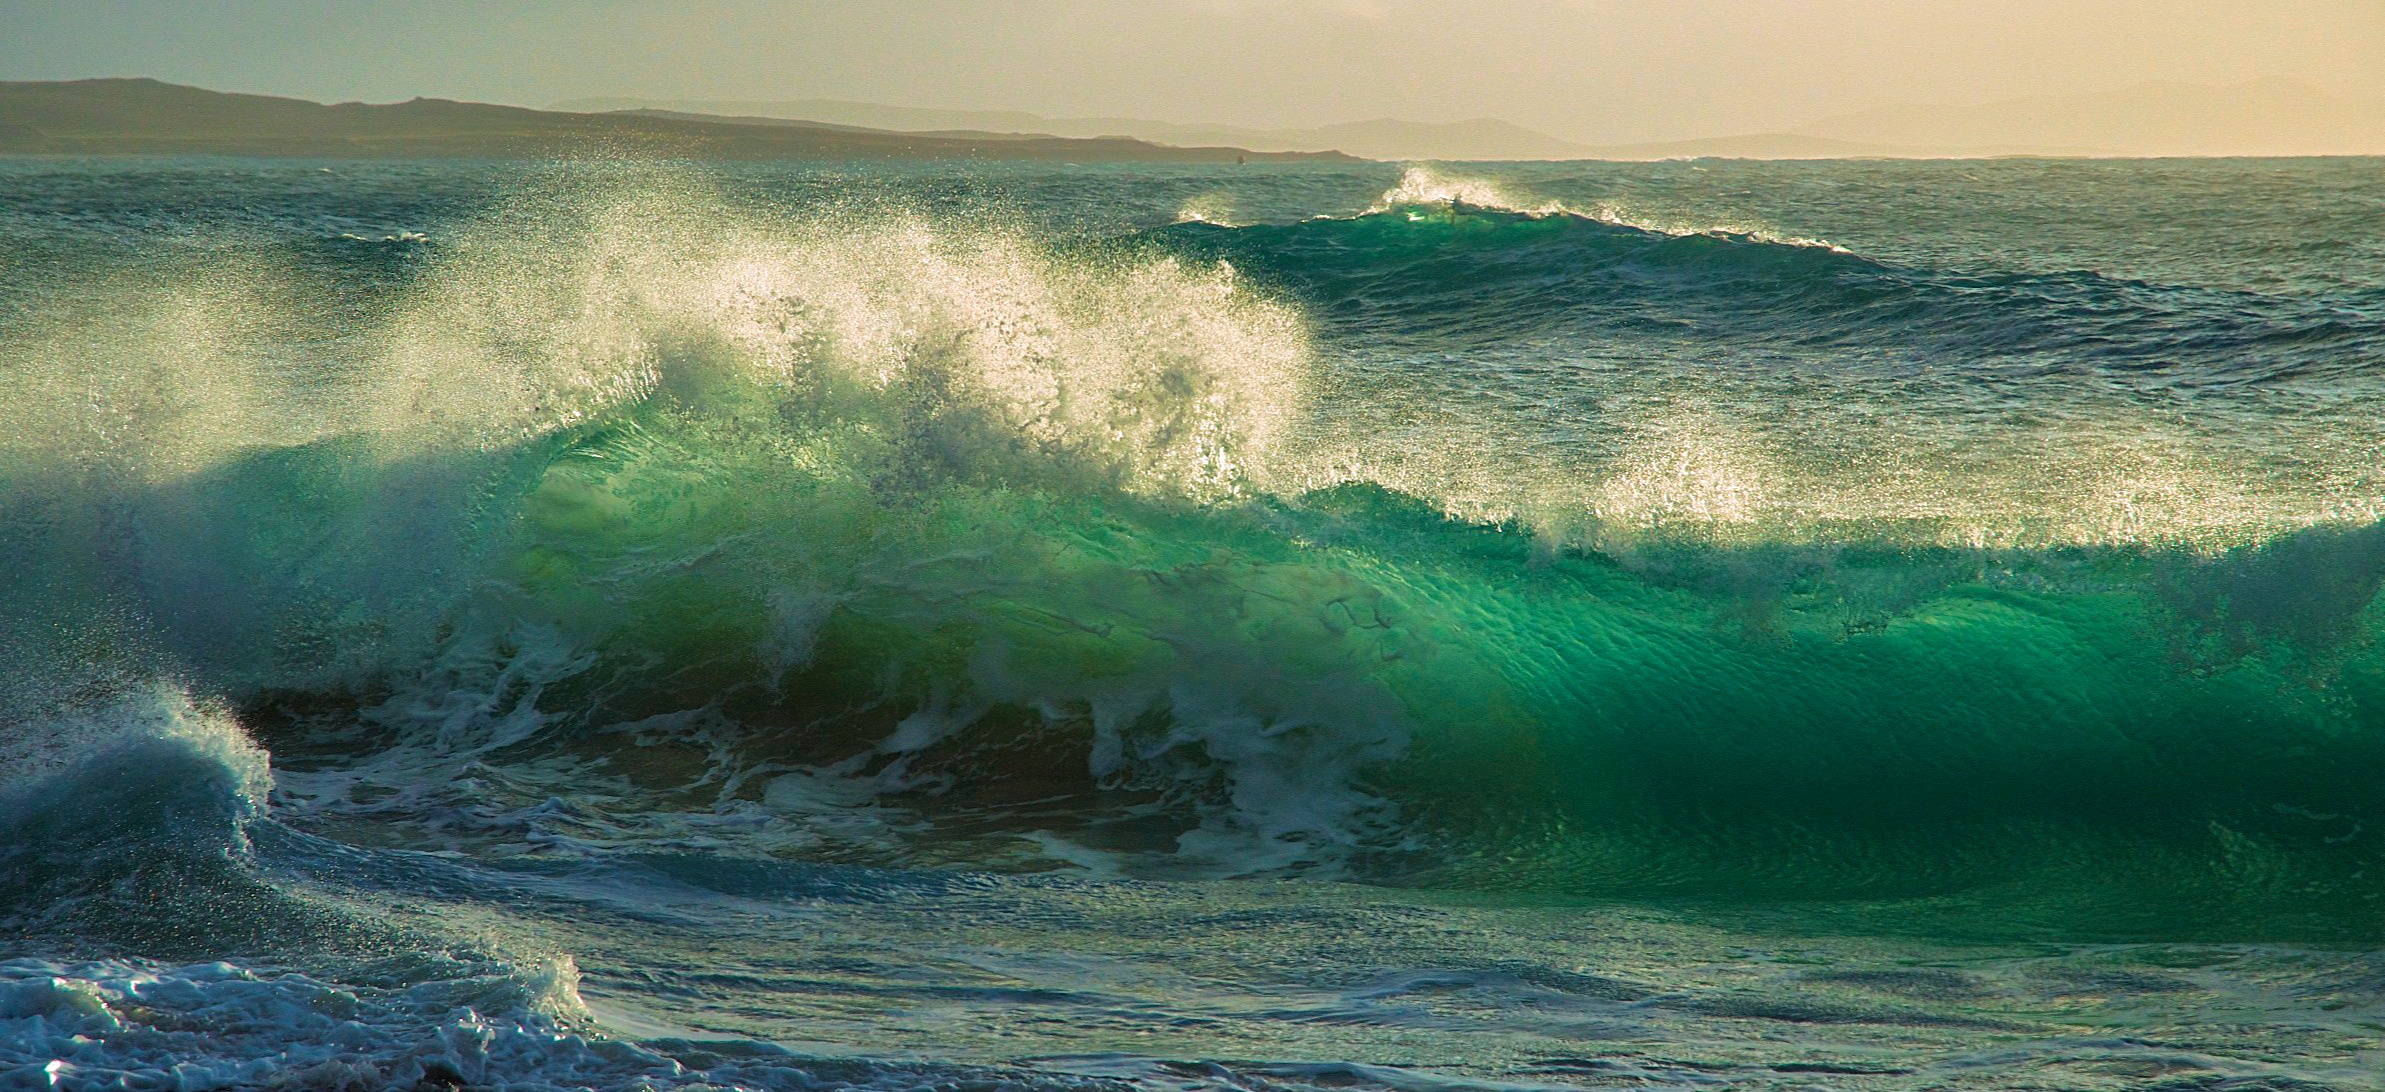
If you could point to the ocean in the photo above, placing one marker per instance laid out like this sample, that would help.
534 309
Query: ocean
1044 628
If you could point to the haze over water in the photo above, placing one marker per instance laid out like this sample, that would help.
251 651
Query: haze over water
2162 77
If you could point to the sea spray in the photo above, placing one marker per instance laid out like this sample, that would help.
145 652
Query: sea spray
835 640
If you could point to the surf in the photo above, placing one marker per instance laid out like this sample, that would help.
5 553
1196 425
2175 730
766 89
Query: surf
895 541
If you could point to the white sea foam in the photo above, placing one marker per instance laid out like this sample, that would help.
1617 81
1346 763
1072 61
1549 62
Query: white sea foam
1426 186
141 1024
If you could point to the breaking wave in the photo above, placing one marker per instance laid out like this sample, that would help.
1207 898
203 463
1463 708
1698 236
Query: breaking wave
622 520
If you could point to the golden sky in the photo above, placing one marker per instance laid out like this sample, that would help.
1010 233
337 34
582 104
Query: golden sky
1591 70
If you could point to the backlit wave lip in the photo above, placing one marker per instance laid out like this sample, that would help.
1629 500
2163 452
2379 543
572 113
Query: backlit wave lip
1420 189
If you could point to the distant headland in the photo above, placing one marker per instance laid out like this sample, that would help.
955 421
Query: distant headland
151 117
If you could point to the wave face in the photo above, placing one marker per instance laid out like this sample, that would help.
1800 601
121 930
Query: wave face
511 609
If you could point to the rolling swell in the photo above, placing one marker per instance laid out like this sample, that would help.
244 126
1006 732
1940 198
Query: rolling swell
1453 272
887 542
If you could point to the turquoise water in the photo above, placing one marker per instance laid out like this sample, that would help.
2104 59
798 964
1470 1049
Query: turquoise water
1867 625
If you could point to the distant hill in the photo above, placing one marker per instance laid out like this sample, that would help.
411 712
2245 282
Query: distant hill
142 116
1755 146
789 123
1391 138
2264 118
1387 138
1382 138
861 115
2271 117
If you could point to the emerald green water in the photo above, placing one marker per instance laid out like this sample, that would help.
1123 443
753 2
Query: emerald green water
1882 625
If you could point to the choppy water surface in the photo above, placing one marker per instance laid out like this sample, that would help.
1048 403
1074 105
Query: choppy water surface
1848 625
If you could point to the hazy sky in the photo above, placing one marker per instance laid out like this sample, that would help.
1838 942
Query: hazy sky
1596 70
